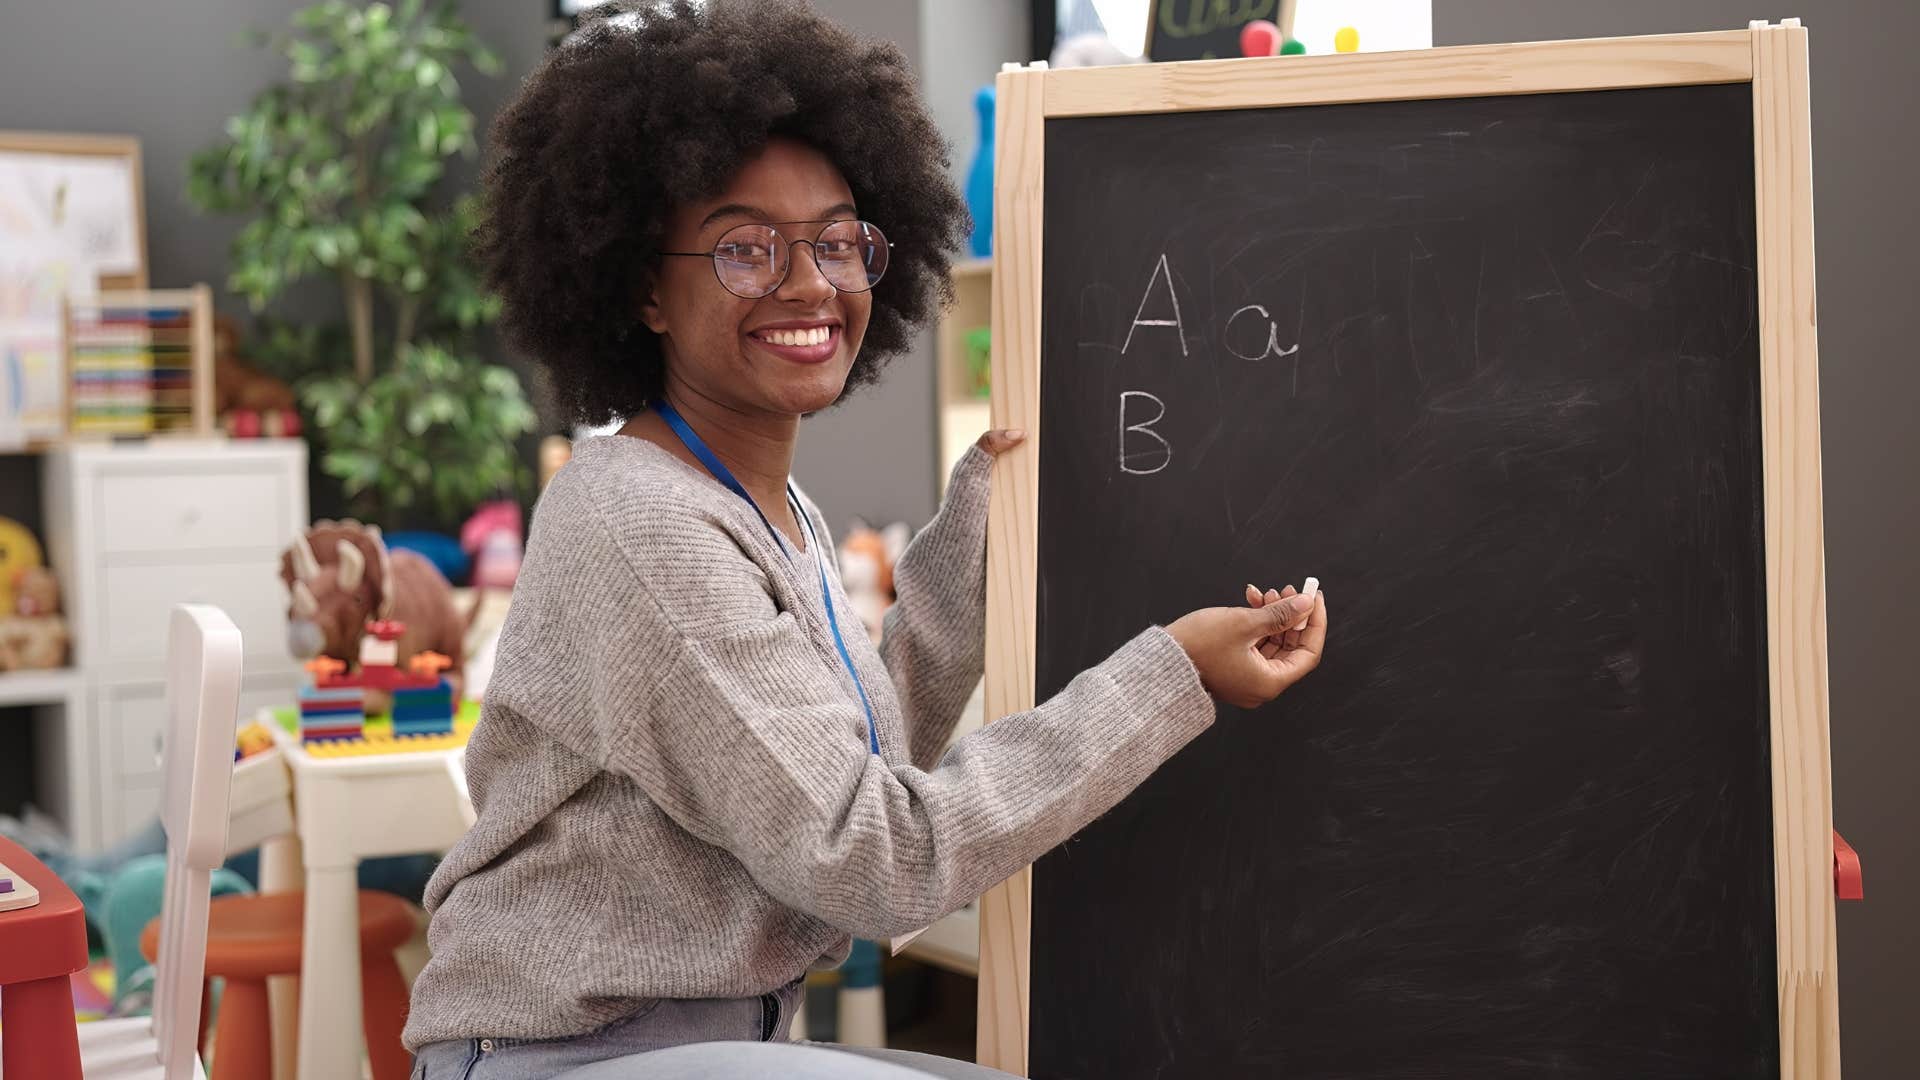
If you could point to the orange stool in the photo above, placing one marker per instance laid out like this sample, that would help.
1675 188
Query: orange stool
252 937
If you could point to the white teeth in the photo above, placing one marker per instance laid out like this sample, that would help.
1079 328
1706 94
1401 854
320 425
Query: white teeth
813 335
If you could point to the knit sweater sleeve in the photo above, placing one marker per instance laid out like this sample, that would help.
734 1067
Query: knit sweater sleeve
934 637
747 741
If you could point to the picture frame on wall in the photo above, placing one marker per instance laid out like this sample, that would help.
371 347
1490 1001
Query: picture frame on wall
72 223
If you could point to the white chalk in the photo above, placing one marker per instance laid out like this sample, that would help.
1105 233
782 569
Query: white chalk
1308 590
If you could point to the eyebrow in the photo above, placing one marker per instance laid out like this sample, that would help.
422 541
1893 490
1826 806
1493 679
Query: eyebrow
838 210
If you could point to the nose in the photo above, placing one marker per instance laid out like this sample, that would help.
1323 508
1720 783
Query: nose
805 283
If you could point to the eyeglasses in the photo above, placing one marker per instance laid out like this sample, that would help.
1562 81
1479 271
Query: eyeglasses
752 261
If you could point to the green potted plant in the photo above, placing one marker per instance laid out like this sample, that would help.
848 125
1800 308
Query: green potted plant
339 164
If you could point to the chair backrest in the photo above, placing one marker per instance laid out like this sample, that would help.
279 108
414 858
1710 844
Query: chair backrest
203 700
457 769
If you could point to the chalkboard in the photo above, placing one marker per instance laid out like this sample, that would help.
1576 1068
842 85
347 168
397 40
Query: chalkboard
1203 29
1488 367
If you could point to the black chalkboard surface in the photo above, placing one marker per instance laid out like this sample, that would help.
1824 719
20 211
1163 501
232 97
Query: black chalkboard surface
1487 367
1202 29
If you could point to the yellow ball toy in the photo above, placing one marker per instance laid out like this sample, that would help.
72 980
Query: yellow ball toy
1346 40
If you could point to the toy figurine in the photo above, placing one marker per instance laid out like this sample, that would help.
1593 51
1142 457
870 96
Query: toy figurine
339 576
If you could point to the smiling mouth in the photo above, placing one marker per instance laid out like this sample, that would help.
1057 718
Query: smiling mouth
812 335
804 344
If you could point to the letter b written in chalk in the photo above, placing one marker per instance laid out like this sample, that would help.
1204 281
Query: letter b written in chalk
1143 451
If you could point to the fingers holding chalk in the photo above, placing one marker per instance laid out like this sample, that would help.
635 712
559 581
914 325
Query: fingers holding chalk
1310 590
1272 646
1294 636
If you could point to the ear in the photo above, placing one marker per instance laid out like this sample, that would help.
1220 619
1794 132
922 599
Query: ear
647 298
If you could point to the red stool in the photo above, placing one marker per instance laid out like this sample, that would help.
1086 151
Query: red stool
40 949
252 937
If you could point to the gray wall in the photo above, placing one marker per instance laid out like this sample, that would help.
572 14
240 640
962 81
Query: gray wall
874 456
1865 98
964 46
171 74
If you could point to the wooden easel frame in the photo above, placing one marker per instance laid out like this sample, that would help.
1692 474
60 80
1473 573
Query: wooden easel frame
1773 59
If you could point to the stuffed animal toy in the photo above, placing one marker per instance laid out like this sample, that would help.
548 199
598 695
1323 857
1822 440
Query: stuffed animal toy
238 384
33 635
36 591
249 402
33 644
18 551
339 574
866 570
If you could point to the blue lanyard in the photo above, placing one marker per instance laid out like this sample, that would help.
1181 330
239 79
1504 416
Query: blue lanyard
720 472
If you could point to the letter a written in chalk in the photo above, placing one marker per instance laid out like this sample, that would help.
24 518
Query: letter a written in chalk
1140 319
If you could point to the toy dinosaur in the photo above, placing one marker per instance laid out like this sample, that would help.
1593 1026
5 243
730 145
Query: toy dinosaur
339 575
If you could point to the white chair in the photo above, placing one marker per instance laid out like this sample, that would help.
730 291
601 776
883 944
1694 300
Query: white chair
457 771
203 691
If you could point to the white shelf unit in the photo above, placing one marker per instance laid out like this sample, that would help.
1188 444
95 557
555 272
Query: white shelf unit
133 529
954 942
963 415
52 687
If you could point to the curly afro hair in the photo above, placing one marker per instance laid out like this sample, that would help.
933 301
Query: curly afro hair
654 104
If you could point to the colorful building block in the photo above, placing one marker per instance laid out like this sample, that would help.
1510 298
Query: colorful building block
424 710
332 712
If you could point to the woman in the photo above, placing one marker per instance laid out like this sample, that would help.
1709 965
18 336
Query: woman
695 777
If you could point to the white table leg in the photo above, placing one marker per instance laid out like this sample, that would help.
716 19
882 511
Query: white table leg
863 1016
280 871
330 1037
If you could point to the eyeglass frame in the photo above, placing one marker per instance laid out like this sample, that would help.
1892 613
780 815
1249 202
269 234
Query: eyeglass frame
825 224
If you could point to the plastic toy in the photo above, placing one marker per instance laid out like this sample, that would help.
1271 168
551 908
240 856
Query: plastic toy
866 570
18 551
33 633
980 177
341 580
441 550
494 536
250 740
334 705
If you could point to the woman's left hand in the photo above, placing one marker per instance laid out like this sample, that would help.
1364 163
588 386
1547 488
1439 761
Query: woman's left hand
1000 441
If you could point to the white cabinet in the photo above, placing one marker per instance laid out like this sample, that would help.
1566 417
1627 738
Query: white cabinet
134 529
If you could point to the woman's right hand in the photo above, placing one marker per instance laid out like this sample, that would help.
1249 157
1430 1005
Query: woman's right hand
1225 645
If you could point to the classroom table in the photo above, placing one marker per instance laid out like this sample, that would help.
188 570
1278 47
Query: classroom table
41 946
354 808
349 809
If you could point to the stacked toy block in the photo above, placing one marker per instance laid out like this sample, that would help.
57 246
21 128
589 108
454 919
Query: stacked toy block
424 710
333 707
332 712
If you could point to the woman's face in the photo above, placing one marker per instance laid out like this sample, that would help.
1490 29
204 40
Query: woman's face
736 351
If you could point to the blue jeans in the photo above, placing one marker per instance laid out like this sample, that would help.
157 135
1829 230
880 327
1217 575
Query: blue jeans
705 1039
